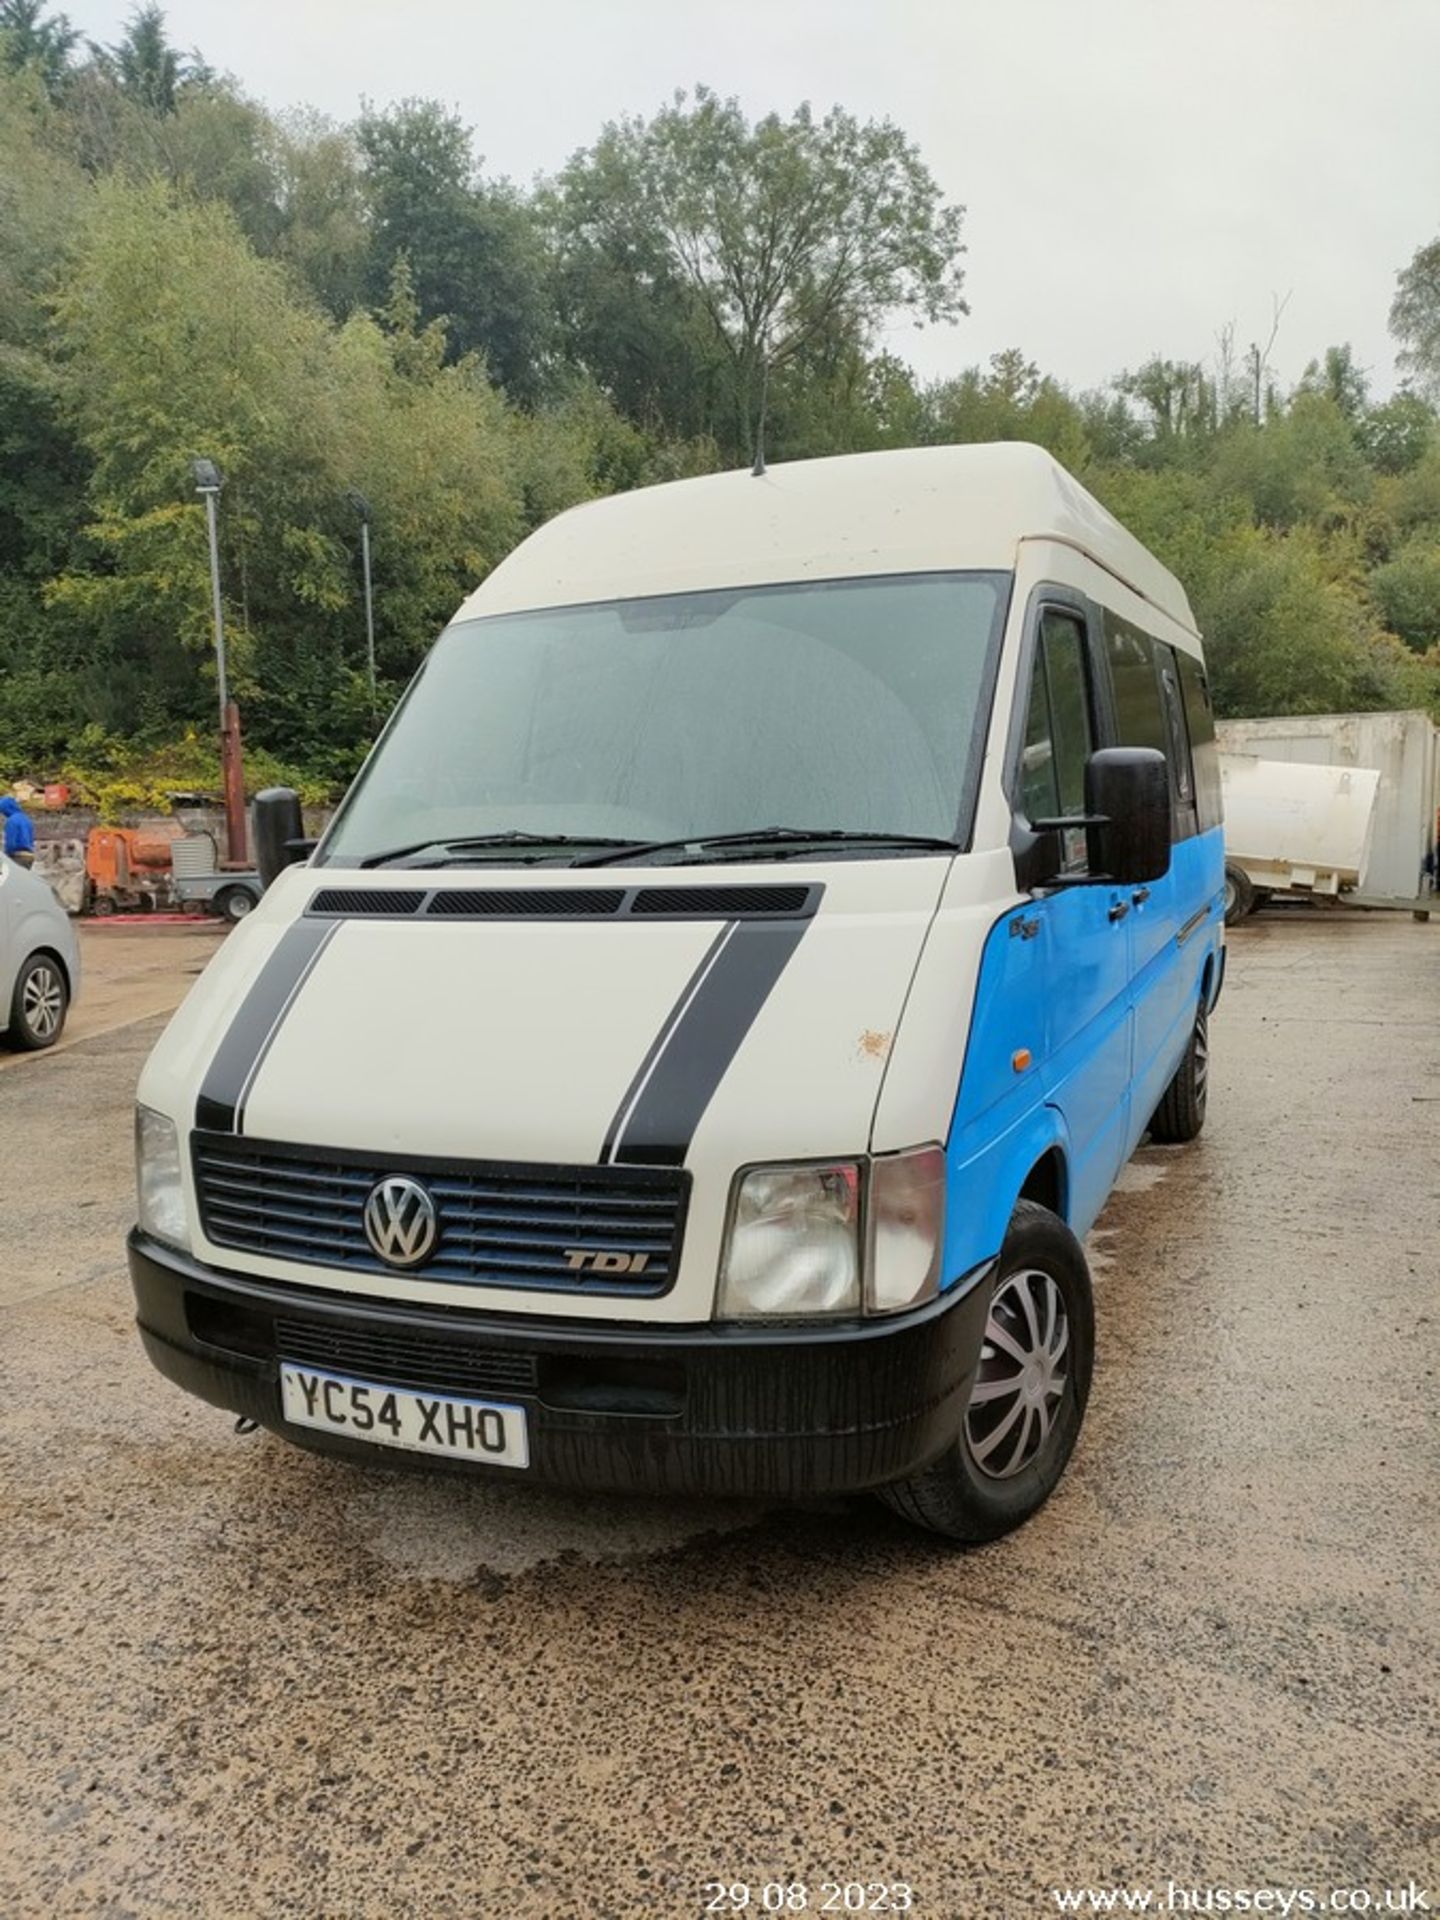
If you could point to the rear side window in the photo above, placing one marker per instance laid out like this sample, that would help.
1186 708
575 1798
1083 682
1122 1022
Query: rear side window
1139 716
1150 711
1200 718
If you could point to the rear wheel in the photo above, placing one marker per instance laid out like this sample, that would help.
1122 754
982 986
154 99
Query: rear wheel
38 1004
1181 1112
1239 894
1028 1401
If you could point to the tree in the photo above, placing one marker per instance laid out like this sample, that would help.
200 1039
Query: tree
145 66
474 248
1176 396
782 232
1010 401
1396 434
1340 380
31 44
626 314
1415 317
323 229
1407 592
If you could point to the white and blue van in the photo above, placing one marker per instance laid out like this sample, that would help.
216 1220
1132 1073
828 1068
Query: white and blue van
694 1054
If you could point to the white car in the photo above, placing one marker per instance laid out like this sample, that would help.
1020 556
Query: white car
39 960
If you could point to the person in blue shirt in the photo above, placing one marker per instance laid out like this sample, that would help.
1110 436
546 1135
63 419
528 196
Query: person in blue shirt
19 834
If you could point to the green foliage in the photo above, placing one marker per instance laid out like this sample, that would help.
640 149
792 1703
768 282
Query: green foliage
35 46
117 778
1011 401
328 310
1407 592
1397 434
145 66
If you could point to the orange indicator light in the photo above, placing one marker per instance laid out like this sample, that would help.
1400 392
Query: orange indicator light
1021 1060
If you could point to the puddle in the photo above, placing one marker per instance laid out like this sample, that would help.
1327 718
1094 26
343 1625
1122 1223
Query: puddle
447 1530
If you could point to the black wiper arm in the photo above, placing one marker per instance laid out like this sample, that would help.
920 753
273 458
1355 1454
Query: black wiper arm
766 837
512 837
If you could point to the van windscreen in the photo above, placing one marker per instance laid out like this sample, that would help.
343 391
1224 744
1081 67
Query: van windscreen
853 705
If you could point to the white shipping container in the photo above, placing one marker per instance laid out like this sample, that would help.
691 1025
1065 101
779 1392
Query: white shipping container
1403 748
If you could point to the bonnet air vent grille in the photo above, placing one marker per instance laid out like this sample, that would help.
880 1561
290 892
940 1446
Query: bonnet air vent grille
566 903
513 903
722 903
367 900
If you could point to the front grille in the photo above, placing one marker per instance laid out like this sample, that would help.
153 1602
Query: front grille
501 1224
400 1359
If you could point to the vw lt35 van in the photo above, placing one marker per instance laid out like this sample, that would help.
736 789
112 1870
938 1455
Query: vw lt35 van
694 1054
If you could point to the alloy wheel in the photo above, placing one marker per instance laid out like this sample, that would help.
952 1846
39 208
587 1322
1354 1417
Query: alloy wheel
42 1001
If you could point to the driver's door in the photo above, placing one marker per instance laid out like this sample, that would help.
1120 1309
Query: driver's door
1086 928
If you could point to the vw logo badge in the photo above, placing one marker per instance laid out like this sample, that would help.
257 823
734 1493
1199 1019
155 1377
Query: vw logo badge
401 1223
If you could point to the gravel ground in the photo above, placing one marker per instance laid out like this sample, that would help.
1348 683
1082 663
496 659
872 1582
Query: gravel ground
240 1680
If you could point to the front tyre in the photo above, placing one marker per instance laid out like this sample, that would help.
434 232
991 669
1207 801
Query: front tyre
1028 1400
1181 1112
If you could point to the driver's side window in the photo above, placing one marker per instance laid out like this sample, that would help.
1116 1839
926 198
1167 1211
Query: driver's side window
1059 732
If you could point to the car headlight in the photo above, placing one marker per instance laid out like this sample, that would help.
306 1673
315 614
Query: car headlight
906 1217
794 1245
159 1187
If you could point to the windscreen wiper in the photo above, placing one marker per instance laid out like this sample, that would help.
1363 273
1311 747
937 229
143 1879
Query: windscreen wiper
513 837
784 840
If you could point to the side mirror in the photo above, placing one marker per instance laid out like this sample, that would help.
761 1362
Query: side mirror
279 831
1127 796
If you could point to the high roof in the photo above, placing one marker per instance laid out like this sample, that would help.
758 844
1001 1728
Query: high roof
919 510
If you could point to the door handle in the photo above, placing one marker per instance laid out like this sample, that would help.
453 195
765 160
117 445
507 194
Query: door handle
1119 910
1140 896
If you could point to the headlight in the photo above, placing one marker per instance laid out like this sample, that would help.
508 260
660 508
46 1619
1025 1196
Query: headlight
158 1183
906 1213
793 1247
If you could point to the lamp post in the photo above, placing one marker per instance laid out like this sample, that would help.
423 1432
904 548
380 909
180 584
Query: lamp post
208 482
362 507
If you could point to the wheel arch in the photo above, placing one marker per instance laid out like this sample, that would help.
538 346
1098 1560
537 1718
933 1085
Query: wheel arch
1048 1183
44 952
1029 1160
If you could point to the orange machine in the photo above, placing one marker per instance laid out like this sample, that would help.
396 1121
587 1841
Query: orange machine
127 870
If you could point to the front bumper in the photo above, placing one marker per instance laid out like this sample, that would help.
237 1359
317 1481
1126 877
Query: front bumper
787 1411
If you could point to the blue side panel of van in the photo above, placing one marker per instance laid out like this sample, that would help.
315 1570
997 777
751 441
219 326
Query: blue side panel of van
1105 1007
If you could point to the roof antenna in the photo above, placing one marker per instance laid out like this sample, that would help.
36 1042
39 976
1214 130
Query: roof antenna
757 472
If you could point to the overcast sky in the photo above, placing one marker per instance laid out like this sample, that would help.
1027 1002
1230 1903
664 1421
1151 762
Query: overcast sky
1136 172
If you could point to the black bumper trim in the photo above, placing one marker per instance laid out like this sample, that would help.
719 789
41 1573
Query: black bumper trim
784 1411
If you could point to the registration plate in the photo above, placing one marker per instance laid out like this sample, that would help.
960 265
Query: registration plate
485 1431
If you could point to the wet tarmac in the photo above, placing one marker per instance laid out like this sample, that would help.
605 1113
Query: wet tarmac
240 1680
